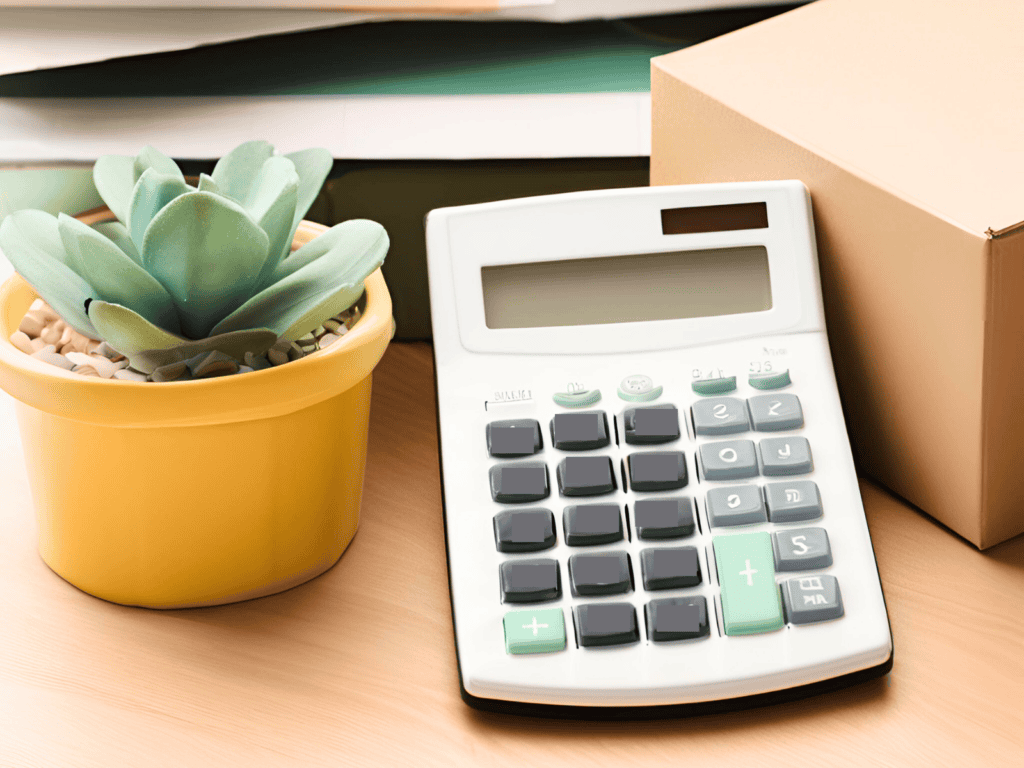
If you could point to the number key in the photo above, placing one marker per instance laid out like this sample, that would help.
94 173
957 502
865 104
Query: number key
802 549
720 416
785 456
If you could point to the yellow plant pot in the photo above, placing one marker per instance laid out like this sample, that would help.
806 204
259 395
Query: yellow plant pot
200 492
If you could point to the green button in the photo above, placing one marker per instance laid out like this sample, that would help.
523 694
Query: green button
770 380
534 631
714 386
746 571
577 399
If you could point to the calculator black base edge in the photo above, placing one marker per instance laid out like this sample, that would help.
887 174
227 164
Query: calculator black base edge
666 711
653 712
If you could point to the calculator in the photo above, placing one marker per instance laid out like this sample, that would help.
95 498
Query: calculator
650 501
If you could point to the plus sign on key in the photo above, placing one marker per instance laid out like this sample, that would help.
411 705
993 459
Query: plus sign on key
746 569
534 631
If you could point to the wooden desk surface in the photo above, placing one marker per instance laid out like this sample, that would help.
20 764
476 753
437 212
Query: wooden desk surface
358 666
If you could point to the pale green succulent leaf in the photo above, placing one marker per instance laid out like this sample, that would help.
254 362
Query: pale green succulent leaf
208 253
357 234
313 166
31 242
207 184
114 277
152 192
148 347
114 177
330 280
117 233
149 157
234 173
271 202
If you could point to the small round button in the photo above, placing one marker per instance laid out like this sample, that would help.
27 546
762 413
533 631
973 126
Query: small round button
638 389
637 384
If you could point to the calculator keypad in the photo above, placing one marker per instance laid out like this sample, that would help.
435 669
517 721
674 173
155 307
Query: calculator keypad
742 565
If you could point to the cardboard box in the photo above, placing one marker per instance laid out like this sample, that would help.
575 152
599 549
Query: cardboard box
904 119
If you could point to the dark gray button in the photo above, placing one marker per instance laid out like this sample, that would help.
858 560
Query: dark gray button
657 470
606 574
524 530
587 524
517 483
801 549
670 567
651 426
812 598
677 618
720 416
793 501
600 624
728 460
736 505
774 413
785 456
581 431
530 581
586 476
663 518
513 437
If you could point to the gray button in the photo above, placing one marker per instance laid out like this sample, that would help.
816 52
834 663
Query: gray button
738 505
663 518
785 456
530 581
517 483
793 501
657 470
513 437
607 574
728 460
812 598
802 549
774 413
585 476
720 416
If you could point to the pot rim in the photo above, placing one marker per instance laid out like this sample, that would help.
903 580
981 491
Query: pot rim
259 394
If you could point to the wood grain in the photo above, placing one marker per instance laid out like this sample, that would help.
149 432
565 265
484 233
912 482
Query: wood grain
358 666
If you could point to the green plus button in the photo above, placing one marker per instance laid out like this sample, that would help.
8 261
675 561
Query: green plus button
535 631
746 571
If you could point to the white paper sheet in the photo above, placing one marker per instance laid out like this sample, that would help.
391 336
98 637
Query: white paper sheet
40 38
34 130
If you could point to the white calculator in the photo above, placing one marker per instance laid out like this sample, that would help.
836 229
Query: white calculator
649 496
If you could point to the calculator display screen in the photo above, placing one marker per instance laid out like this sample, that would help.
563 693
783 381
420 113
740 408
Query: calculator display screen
625 289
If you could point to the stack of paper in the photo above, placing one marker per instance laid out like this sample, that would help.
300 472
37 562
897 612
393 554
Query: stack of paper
33 35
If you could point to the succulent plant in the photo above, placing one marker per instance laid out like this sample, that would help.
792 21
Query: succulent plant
196 269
